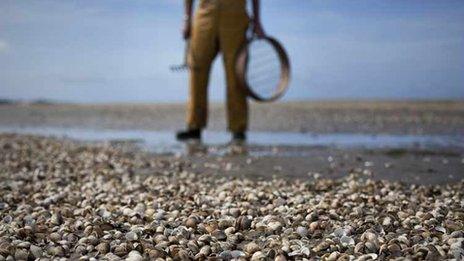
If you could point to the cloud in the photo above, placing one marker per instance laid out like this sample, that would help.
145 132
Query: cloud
4 46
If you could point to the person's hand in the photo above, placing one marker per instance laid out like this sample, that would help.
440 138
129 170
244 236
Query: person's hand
258 29
186 32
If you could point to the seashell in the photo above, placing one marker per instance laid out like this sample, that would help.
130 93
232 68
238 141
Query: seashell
55 237
182 255
440 229
160 238
457 251
346 241
121 250
457 234
219 235
7 219
274 226
140 209
302 231
103 248
235 212
258 256
205 250
193 247
322 246
225 255
56 251
394 249
78 225
155 253
333 256
204 238
23 244
24 232
85 201
56 219
370 256
242 223
301 251
131 236
181 231
71 238
5 248
237 254
251 248
369 236
112 257
313 226
339 232
191 222
149 212
359 248
280 257
80 250
36 251
92 240
403 239
3 206
21 254
159 216
371 247
134 255
229 230
88 230
225 223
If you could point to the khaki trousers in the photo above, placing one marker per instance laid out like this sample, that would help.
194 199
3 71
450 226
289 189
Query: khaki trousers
219 25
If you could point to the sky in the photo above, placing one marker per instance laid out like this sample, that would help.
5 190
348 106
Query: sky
120 51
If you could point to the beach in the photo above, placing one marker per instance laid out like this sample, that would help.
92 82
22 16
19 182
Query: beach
65 196
374 117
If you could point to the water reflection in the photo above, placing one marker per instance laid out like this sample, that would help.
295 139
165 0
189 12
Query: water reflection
197 148
259 143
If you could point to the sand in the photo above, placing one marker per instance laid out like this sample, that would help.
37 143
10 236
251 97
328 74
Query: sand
405 117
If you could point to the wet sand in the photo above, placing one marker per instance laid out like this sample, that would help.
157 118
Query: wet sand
405 117
411 165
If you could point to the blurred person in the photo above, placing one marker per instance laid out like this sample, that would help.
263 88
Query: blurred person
218 26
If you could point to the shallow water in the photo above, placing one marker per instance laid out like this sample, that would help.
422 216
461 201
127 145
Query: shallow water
164 141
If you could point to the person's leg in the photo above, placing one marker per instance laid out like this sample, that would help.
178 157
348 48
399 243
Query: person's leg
232 32
203 49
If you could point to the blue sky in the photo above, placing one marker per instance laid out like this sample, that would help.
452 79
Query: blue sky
114 50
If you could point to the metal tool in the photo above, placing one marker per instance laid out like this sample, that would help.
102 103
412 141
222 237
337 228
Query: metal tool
185 66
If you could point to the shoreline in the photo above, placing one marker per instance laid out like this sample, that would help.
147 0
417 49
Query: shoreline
415 118
412 165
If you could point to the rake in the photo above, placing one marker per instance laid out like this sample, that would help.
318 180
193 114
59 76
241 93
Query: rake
184 66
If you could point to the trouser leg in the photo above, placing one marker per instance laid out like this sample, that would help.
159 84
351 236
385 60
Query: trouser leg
203 49
231 38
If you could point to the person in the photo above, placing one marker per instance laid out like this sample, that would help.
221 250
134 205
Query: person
218 26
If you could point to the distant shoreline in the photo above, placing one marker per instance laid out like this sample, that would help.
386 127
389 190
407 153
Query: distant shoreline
9 101
368 117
